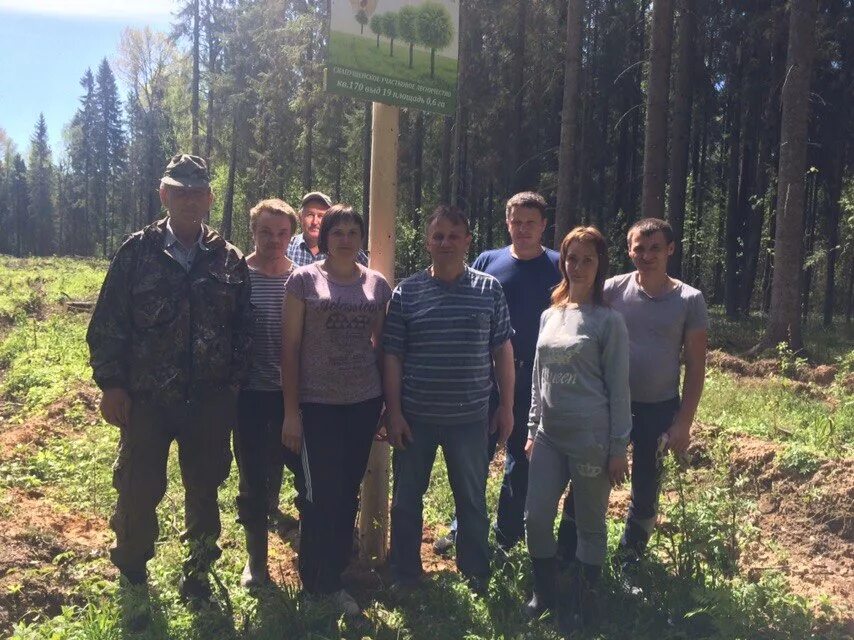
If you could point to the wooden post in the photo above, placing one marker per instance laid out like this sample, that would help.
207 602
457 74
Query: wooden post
373 520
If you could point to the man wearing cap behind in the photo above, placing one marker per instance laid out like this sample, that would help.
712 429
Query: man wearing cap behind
303 248
169 345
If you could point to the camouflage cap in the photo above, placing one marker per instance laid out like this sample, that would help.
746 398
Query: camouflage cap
185 170
316 196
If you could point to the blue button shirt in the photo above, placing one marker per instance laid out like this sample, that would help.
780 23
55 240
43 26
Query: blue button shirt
301 255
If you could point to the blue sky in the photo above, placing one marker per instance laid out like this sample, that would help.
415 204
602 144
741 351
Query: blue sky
47 45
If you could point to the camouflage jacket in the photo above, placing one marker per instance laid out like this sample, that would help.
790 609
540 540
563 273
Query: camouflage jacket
165 333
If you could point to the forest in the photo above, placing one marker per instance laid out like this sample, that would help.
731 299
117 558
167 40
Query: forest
726 118
677 109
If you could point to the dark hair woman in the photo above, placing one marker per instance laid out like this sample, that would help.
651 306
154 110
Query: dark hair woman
331 380
579 422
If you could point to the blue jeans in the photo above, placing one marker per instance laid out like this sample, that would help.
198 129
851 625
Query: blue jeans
510 520
464 447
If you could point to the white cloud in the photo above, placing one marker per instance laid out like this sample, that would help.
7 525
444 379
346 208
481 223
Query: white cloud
105 9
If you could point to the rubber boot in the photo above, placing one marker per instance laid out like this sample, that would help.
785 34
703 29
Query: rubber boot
544 571
255 572
134 600
582 607
567 541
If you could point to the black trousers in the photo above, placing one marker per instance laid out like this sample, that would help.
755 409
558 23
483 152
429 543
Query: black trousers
259 451
337 442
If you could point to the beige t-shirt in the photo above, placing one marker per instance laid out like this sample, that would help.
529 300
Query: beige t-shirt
338 364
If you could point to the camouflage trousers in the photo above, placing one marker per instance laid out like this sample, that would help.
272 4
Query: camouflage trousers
202 429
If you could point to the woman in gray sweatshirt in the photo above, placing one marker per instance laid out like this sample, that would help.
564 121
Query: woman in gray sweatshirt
579 423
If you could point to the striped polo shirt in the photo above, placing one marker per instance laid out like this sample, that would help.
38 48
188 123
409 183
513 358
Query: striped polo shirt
445 334
268 292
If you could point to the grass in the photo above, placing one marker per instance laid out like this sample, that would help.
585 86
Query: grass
694 586
775 409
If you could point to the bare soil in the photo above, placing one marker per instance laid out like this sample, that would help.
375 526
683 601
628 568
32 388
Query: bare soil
805 524
40 547
822 375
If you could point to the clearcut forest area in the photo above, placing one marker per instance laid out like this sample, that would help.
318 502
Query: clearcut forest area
756 540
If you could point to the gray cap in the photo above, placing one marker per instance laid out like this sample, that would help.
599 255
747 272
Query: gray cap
185 170
316 196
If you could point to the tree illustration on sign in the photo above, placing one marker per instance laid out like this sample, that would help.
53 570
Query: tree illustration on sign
389 25
362 19
377 26
435 29
407 25
363 9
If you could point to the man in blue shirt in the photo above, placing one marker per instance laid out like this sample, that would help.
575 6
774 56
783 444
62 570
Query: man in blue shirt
527 272
447 328
303 248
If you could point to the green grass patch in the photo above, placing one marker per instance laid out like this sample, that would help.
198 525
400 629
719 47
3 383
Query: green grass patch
28 285
693 585
774 409
44 360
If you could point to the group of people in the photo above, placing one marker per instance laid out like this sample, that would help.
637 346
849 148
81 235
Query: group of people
307 356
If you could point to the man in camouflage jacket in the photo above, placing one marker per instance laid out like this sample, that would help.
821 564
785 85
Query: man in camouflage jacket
169 343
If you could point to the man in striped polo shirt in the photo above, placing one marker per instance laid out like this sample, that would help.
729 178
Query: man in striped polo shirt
447 326
303 248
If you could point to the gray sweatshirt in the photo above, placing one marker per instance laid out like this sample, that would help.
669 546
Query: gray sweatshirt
581 375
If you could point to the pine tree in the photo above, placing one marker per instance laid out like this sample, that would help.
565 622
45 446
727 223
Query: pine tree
109 139
81 187
39 232
784 323
19 203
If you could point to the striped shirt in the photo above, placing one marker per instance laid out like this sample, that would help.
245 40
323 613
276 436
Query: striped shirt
301 255
445 334
268 293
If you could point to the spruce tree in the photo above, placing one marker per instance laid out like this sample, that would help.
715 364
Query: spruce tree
38 231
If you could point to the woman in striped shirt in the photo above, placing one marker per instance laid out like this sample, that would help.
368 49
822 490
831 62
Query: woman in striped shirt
257 439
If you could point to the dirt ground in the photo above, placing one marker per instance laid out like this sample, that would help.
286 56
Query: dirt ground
805 524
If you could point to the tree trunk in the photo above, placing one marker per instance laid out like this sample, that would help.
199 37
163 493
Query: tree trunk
681 132
366 163
655 141
308 150
732 235
784 322
213 57
809 242
445 161
834 192
517 90
458 162
228 202
849 295
418 168
566 211
194 91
